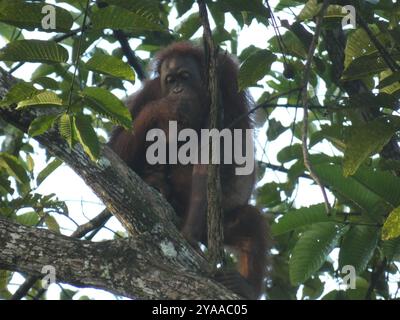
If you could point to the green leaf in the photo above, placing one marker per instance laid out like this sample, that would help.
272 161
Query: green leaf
110 65
9 33
358 247
47 83
14 167
29 219
108 105
65 126
26 15
366 65
48 170
30 163
313 288
383 183
312 249
299 218
389 80
44 98
34 51
360 194
255 7
87 136
290 153
310 10
150 9
67 294
255 67
52 224
113 17
275 129
20 91
189 26
365 140
391 249
5 278
269 195
334 133
358 44
293 45
5 187
41 124
391 227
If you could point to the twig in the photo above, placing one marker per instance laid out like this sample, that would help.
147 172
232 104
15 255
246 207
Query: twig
78 53
304 102
283 169
390 62
130 56
81 231
126 49
214 211
376 273
262 105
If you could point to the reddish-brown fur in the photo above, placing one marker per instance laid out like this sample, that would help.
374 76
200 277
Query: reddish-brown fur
184 186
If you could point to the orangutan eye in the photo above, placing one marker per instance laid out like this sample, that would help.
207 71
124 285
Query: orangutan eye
185 75
170 79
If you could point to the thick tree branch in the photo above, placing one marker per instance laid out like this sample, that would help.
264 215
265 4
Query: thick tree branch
144 212
129 267
97 222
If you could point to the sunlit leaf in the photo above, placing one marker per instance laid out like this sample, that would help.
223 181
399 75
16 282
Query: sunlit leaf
49 169
28 15
391 228
44 98
34 51
110 65
41 124
14 167
113 17
52 224
87 136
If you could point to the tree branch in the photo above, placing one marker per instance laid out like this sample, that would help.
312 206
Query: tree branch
118 266
304 102
144 213
126 49
81 231
214 209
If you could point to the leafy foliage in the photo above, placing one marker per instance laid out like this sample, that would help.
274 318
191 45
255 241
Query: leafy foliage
354 90
34 51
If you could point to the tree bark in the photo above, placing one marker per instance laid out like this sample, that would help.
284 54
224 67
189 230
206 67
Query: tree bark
155 262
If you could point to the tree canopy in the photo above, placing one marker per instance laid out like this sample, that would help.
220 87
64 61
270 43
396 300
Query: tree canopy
331 67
